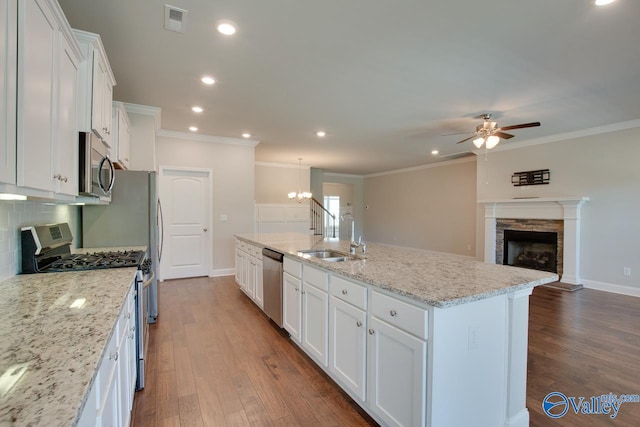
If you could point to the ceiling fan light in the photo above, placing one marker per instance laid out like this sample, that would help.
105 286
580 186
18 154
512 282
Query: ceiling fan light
478 142
492 141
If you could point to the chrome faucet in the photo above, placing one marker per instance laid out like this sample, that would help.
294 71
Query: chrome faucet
353 245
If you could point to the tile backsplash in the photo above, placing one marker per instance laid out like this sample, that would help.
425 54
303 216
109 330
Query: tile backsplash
16 214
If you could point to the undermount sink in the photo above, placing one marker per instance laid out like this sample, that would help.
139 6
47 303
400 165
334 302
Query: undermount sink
328 255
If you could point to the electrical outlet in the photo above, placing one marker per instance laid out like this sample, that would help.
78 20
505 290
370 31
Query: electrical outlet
626 271
474 338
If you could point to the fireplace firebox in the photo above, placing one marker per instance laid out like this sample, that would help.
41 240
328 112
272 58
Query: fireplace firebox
537 250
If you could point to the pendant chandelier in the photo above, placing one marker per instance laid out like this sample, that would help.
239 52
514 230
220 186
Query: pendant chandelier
300 196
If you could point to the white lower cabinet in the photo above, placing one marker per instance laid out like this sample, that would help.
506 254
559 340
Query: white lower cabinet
248 273
397 375
315 322
259 295
347 343
292 305
110 399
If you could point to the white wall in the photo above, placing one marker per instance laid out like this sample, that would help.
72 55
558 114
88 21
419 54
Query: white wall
355 198
233 188
603 167
16 214
431 207
142 152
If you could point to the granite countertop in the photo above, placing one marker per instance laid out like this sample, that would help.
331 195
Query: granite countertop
435 278
54 328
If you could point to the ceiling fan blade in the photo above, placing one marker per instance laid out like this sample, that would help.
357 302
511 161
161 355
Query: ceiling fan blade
523 125
503 135
457 133
466 139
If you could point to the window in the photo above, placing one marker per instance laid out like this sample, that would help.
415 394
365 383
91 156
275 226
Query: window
332 204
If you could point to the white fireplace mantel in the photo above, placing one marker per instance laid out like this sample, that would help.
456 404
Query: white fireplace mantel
565 208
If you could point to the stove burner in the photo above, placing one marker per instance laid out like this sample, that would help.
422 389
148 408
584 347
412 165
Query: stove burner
98 260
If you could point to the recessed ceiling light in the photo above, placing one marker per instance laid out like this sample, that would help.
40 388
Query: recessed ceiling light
226 27
435 152
321 133
197 109
208 80
602 2
246 135
193 129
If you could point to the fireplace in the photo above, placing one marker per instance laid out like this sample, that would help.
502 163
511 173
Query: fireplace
559 215
531 249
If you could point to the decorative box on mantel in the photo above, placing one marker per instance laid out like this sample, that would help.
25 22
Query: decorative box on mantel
551 208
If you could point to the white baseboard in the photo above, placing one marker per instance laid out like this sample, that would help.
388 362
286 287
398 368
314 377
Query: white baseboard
610 287
222 272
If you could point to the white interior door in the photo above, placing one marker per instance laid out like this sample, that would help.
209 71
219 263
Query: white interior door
186 196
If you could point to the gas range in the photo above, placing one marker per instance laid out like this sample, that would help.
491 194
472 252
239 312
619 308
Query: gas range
97 260
47 248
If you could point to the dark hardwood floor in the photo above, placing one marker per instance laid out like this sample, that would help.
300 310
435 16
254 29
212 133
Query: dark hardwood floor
215 360
583 344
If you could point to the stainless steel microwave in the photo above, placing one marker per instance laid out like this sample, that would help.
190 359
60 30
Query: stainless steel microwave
97 173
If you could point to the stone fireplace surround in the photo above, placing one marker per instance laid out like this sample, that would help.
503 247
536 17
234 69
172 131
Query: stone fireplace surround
507 212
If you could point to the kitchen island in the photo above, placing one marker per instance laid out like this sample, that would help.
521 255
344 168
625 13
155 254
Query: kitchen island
438 339
55 329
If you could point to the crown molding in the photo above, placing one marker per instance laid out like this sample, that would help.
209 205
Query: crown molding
343 175
282 165
422 167
598 130
207 138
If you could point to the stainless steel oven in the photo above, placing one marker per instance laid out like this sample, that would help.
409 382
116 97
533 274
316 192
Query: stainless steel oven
97 173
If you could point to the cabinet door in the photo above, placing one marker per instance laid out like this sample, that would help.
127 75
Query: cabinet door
97 101
347 341
67 141
315 323
36 60
8 67
123 377
397 375
250 288
121 143
107 100
291 305
238 266
259 284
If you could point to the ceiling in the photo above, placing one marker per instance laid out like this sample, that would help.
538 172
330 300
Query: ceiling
384 79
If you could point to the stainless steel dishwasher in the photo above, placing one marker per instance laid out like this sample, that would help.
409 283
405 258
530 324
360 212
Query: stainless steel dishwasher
272 284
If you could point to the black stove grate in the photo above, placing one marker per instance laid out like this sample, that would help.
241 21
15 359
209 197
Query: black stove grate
97 260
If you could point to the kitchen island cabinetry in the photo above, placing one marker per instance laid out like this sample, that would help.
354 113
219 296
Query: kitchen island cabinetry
347 335
48 62
411 345
315 314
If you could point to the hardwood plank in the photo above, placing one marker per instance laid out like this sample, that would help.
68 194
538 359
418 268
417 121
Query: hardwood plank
184 374
190 411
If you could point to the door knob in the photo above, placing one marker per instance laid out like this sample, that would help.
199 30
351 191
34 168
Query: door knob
205 229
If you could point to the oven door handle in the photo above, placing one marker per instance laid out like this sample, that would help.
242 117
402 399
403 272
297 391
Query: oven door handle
112 176
147 282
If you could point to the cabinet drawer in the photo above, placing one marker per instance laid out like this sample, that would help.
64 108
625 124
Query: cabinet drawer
243 246
407 317
349 292
257 251
316 277
292 267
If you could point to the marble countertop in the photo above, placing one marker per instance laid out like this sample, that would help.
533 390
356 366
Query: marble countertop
53 331
435 278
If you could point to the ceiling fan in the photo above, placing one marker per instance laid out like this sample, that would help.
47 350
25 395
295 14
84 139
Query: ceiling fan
489 132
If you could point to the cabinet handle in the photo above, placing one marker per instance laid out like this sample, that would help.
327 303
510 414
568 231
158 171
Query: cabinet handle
393 313
114 356
57 176
358 323
65 179
297 289
302 292
371 332
344 292
128 316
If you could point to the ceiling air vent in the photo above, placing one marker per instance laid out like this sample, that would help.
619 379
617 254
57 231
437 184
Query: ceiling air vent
175 19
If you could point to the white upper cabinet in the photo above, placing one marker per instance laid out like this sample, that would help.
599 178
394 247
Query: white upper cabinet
95 94
121 136
8 67
48 61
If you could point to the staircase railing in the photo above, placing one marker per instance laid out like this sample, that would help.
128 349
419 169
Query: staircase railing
317 211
